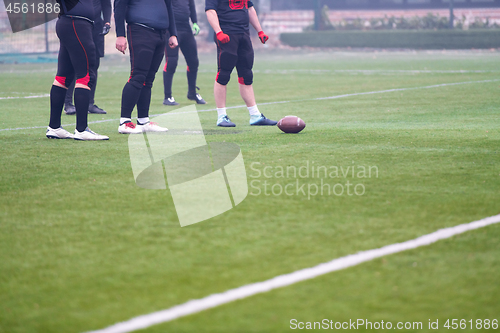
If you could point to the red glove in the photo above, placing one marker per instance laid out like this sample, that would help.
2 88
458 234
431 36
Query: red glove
263 37
222 37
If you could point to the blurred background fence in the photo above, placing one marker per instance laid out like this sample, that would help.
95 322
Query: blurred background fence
296 16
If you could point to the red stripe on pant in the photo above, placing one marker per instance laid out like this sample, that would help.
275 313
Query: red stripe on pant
84 80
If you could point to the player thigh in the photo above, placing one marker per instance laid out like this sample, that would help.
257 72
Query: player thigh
156 59
189 49
142 45
65 72
245 62
227 57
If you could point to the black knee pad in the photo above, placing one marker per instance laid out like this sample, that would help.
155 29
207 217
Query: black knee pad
245 77
148 83
193 65
227 62
137 80
171 64
223 77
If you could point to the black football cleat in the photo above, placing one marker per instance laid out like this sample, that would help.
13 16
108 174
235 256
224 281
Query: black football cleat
170 101
224 121
261 121
95 109
196 98
69 109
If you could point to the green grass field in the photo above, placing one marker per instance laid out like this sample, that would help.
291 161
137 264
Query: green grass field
82 247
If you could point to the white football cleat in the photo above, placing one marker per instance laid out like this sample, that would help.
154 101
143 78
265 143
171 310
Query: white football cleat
129 128
151 127
89 135
58 133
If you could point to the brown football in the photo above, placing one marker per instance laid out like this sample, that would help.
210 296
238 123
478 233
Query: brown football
291 124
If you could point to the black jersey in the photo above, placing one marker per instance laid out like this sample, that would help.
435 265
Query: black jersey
83 8
183 11
233 14
156 14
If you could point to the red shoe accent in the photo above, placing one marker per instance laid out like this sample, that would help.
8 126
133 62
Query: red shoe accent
130 125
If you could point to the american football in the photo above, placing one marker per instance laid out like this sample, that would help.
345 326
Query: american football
291 124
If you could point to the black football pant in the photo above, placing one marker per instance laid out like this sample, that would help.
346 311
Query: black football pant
99 44
76 57
146 54
238 52
187 44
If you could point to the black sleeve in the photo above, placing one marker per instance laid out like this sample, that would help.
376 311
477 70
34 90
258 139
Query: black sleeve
250 4
211 4
171 28
192 10
120 10
106 10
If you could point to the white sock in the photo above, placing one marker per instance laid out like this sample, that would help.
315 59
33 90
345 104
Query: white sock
143 120
254 110
221 112
124 120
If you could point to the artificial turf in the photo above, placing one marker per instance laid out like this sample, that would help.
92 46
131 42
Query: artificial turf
83 247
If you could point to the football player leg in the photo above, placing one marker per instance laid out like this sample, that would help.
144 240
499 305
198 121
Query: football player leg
142 48
226 61
82 56
171 60
189 49
64 76
98 38
143 122
245 79
69 107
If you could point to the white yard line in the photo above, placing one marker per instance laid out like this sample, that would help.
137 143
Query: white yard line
215 300
22 97
269 103
370 71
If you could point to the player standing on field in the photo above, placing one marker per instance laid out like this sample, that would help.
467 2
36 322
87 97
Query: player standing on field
76 57
147 25
230 20
183 10
101 28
